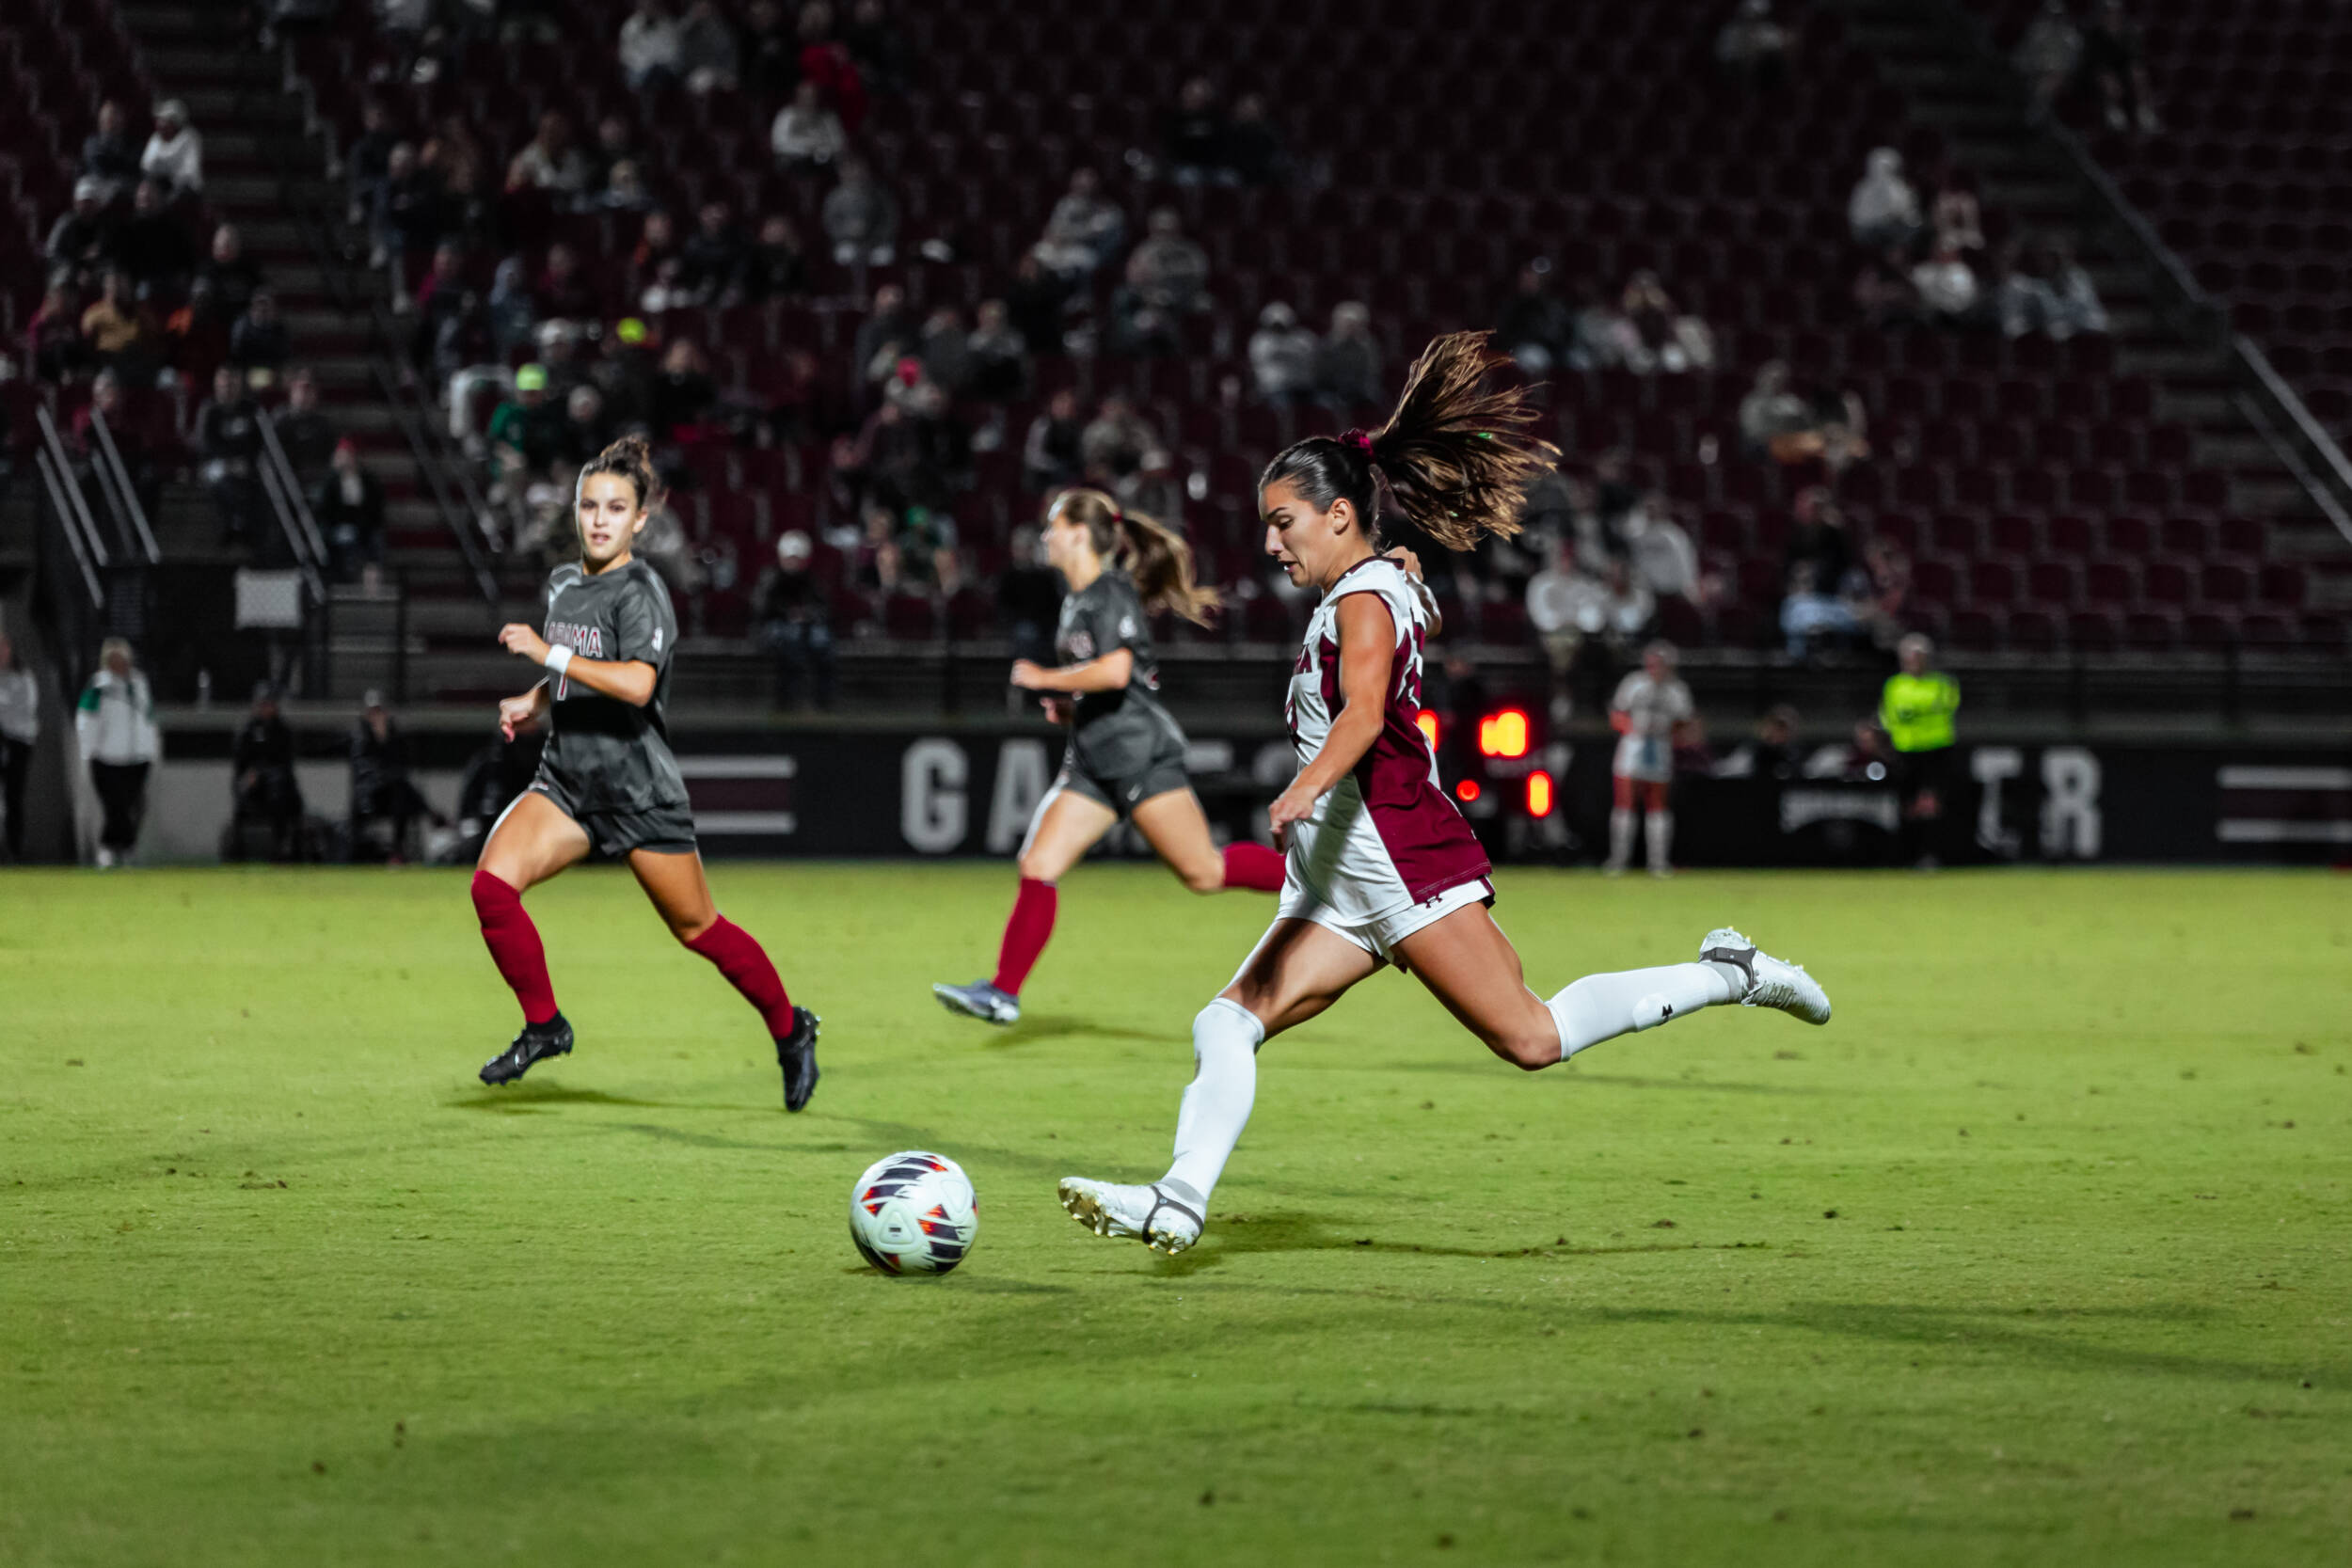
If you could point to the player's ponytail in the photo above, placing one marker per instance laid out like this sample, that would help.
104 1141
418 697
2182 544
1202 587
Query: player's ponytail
1150 552
632 457
1457 456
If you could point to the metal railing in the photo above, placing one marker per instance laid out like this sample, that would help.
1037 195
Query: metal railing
76 504
65 505
293 510
114 477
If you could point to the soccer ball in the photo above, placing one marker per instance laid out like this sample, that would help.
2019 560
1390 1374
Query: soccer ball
913 1212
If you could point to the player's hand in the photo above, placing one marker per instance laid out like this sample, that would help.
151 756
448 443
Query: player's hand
519 714
1294 805
523 642
1407 560
1028 675
1057 709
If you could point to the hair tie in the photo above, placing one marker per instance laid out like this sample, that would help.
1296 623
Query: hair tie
1361 441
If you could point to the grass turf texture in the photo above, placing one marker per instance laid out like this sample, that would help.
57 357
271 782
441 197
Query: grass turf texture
2036 1254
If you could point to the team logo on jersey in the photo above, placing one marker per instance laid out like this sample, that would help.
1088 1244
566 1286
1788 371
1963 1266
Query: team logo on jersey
585 641
1081 644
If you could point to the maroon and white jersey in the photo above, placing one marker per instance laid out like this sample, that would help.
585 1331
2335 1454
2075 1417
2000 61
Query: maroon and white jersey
1385 837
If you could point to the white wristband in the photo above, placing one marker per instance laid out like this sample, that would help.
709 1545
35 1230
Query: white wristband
559 659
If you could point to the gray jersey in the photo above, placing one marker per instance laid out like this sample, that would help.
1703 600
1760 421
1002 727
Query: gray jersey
607 754
1097 621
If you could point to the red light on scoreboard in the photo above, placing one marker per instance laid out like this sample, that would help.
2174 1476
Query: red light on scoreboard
1539 794
1502 735
1465 791
1428 722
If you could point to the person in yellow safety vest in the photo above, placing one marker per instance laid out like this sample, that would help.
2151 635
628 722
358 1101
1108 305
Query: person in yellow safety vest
1915 710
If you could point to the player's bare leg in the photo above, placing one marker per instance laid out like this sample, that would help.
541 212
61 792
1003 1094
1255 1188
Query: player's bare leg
681 894
1068 824
1296 971
534 840
1177 829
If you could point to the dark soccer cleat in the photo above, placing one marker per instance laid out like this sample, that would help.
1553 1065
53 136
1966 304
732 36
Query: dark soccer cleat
552 1038
795 1053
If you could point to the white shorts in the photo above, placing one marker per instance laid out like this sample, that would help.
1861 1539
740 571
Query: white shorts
1644 759
1379 936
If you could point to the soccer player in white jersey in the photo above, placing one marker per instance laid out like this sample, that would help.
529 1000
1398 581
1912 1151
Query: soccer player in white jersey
1381 868
1651 710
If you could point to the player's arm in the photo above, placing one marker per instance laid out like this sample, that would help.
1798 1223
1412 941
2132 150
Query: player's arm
518 714
1111 672
630 680
1367 649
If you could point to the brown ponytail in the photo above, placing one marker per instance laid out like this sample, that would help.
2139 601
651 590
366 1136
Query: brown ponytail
632 457
1457 456
1146 550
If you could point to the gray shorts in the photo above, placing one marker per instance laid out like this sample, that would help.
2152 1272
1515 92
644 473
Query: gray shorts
1126 768
666 827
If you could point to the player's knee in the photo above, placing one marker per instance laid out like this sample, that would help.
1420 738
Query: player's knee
1034 867
1530 1050
1204 876
692 929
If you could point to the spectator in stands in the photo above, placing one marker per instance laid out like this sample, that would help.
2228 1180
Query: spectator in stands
711 262
1812 618
82 236
2045 290
260 341
1564 606
410 213
511 312
347 503
115 722
876 48
1772 755
615 143
382 786
20 727
793 609
1168 278
2047 55
1819 540
774 267
1947 287
524 430
1660 335
109 156
562 291
174 155
1116 442
152 243
1083 230
1884 293
1660 550
454 156
1254 148
228 278
825 60
772 55
262 768
707 51
549 160
683 394
305 433
1029 599
1883 210
1534 327
945 350
624 191
118 331
52 339
1035 301
1955 218
1193 136
107 403
1053 453
807 134
861 218
1753 48
228 445
1778 422
887 335
2112 63
1000 355
585 430
1283 356
653 266
439 291
1772 411
1880 594
367 162
1347 361
652 47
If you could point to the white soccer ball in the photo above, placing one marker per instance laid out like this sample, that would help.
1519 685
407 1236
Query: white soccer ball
913 1212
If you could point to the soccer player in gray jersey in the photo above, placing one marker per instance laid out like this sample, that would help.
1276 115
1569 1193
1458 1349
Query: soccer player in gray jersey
1125 755
607 785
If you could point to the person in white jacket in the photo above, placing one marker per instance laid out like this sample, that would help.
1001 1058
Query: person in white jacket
175 153
20 726
115 722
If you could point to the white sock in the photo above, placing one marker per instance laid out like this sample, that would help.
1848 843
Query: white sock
1620 838
1661 837
1602 1006
1225 1041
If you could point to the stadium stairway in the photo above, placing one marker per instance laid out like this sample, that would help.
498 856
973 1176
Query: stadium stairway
264 169
1975 101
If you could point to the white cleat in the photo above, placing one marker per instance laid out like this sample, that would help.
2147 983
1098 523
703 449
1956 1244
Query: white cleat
1772 982
980 1000
1147 1213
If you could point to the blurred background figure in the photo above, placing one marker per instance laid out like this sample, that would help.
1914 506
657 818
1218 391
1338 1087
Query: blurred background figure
1916 709
1652 714
20 726
382 790
262 775
116 723
794 612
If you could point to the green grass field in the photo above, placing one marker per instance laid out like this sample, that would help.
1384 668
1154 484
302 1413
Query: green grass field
2041 1252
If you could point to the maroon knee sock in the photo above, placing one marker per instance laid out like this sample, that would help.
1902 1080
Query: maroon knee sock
1253 866
745 965
515 946
1031 923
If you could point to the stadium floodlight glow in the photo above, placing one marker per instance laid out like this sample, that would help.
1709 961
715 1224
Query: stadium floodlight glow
1539 794
1465 791
1428 722
1503 734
